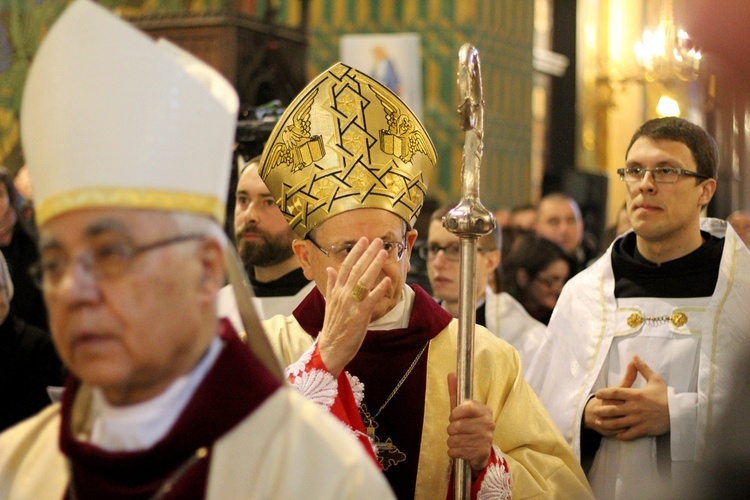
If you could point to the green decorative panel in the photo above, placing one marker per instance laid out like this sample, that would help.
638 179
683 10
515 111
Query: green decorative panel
23 24
133 9
502 31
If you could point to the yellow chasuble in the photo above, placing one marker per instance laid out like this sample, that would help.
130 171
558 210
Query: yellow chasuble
541 462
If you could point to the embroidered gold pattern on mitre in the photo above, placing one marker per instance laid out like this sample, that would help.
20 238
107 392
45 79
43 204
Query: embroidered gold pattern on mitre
678 319
359 180
401 139
298 147
353 142
394 183
323 189
347 142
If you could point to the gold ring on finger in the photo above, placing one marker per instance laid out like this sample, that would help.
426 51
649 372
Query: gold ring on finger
359 292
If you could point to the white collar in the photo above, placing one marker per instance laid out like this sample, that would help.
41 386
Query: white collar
399 316
140 426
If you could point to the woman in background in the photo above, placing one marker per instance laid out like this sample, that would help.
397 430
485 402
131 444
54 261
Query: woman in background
534 274
28 361
18 244
500 313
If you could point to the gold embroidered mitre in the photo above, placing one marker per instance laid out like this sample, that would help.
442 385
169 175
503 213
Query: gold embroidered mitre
347 142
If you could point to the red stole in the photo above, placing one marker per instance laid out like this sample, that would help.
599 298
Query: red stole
381 362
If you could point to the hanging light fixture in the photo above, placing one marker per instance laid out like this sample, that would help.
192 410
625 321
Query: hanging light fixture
667 106
667 52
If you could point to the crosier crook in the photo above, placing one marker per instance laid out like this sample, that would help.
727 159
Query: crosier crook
469 220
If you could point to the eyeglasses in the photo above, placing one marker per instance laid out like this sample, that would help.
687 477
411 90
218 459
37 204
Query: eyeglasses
337 253
103 261
662 175
452 252
553 282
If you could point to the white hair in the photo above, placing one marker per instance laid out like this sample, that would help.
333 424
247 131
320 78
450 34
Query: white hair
187 222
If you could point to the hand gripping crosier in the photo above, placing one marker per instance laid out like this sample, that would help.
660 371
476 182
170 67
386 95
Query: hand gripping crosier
469 220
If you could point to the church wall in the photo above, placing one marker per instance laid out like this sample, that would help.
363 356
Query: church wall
502 31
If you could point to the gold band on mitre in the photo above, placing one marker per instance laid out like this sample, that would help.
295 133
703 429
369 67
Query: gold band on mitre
144 199
347 142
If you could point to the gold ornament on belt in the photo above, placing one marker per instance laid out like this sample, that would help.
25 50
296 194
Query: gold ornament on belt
347 142
678 319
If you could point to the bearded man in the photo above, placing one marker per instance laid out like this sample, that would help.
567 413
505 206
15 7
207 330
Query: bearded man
264 242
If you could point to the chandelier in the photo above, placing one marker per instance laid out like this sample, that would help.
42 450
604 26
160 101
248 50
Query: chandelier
667 52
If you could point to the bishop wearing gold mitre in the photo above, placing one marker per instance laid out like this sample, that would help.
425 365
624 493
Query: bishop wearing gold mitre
348 164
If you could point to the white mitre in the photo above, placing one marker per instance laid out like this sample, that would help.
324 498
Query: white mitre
111 118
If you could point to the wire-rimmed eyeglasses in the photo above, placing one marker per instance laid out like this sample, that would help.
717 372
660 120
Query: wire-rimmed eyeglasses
452 252
102 261
662 175
337 253
552 282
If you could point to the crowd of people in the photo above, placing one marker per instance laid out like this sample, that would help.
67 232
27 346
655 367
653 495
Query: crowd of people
599 371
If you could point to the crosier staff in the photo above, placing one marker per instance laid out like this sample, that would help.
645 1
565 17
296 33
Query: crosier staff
469 220
255 337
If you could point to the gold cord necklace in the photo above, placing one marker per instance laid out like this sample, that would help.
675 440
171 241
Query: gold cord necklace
387 452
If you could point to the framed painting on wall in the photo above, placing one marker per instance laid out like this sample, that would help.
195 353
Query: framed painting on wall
393 59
